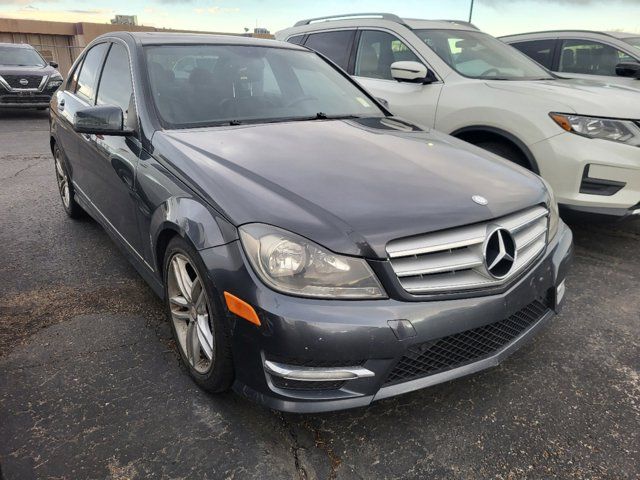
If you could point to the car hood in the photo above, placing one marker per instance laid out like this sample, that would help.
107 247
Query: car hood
350 186
13 70
584 97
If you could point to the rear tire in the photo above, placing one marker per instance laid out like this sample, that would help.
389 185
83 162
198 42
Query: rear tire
197 317
506 151
65 187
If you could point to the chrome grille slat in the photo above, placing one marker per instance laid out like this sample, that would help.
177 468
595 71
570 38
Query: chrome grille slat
453 260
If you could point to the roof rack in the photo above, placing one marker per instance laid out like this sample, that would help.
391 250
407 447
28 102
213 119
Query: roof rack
383 16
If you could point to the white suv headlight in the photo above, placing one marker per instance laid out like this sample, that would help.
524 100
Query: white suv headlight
623 131
294 265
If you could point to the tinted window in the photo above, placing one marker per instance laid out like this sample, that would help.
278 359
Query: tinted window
89 72
72 82
249 85
478 55
539 50
335 45
377 51
116 87
297 39
592 58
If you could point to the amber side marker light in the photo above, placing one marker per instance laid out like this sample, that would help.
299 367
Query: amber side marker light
241 308
562 120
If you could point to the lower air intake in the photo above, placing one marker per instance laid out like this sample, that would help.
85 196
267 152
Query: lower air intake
465 347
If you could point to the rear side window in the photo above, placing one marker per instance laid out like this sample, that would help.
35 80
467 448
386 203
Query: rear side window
591 58
297 39
541 51
116 87
377 51
89 72
335 45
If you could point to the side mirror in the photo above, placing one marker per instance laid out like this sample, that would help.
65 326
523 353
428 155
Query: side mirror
53 64
628 69
101 120
408 71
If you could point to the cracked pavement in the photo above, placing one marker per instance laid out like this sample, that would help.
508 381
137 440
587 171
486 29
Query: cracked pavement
91 385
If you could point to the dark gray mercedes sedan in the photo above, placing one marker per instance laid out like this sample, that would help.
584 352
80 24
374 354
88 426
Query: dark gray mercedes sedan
313 251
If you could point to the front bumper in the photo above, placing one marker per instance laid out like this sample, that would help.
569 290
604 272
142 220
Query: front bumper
330 335
591 175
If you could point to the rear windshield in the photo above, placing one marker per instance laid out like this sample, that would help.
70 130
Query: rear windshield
20 57
198 85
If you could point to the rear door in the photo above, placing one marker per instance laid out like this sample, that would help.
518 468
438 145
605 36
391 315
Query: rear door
376 51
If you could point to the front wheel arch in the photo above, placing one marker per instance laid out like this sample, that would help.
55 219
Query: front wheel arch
484 134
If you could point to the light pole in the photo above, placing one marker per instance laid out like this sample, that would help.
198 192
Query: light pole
471 11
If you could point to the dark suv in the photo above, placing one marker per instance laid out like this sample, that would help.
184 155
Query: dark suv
313 251
26 79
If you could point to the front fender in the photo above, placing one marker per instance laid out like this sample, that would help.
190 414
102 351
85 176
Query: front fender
192 220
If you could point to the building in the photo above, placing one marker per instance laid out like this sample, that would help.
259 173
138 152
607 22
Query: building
62 42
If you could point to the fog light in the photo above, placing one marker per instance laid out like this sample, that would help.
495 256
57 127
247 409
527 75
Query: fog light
560 289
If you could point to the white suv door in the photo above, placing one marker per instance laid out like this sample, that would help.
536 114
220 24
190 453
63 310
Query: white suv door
376 50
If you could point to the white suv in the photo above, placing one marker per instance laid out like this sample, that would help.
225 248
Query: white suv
607 57
583 139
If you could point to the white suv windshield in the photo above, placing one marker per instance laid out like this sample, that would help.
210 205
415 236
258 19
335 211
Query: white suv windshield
20 57
198 85
478 55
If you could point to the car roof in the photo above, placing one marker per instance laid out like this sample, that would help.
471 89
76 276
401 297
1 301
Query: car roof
171 38
545 33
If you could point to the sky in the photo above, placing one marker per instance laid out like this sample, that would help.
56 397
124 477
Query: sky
497 17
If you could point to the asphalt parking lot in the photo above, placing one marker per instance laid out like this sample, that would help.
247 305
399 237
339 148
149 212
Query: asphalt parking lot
91 385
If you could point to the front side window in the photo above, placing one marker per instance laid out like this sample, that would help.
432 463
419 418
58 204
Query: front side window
116 87
591 58
20 57
539 50
377 51
478 55
89 72
335 45
249 84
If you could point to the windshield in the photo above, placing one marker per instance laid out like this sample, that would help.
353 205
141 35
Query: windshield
199 85
478 55
20 57
635 41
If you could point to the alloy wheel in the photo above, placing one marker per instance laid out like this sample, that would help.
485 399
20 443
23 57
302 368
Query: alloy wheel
190 313
63 181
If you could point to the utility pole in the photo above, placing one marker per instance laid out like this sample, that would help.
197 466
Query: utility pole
471 11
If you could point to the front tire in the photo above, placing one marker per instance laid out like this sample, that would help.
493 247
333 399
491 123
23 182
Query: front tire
65 187
197 318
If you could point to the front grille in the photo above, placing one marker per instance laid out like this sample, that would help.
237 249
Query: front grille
453 260
29 99
465 347
33 81
300 385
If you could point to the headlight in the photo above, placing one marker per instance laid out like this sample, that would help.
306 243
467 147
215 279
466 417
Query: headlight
55 80
554 214
292 264
623 131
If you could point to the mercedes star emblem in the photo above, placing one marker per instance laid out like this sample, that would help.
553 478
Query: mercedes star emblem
479 199
499 253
